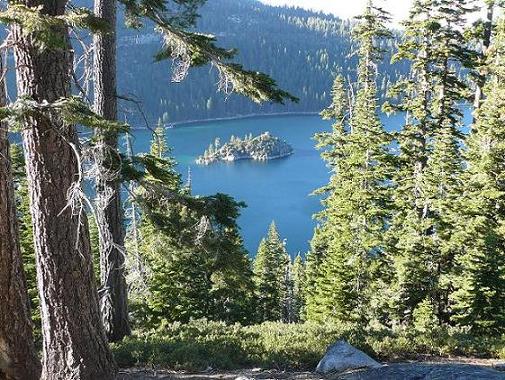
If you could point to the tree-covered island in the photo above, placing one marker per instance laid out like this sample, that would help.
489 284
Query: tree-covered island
261 148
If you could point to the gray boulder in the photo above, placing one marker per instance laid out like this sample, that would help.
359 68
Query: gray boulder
341 357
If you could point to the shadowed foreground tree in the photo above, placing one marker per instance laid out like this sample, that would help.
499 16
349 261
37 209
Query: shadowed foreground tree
186 272
74 343
18 359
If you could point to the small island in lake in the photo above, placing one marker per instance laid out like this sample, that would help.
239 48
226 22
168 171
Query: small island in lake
261 148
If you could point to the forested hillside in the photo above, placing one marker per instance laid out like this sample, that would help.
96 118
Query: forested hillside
302 50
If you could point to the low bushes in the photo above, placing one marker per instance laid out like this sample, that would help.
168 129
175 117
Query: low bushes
201 344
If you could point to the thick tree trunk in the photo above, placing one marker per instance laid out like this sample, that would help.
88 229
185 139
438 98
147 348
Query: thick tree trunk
113 292
18 359
74 341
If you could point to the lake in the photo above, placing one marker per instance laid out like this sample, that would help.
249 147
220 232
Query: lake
275 190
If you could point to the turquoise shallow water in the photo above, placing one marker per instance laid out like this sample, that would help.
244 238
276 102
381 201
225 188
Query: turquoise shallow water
275 190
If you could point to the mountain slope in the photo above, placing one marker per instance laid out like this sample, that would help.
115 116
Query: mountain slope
300 49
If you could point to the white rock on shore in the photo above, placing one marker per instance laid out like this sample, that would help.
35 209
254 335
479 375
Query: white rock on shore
341 357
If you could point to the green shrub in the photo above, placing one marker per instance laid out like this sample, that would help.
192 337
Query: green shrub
201 344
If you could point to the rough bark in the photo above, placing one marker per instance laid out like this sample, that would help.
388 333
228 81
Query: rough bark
18 359
74 341
113 292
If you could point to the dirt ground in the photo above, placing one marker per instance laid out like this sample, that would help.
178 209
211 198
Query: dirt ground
231 375
430 369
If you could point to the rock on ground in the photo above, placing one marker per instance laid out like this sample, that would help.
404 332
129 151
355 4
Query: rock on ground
341 357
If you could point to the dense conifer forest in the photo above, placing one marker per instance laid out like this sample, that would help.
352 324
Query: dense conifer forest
109 260
302 50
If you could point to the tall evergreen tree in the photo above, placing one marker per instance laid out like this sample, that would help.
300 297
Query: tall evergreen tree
430 161
193 273
67 288
210 279
288 295
357 198
298 284
314 258
445 165
109 213
411 246
271 277
173 19
478 301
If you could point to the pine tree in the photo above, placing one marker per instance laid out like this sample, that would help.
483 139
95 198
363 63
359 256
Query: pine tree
478 301
201 272
156 251
357 197
430 161
232 288
287 289
174 20
67 288
298 284
178 284
445 165
318 246
208 279
410 225
26 233
271 277
109 212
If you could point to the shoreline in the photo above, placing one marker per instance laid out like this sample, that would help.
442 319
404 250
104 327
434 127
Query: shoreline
243 117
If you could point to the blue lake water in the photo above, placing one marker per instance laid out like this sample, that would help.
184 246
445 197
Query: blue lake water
275 190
